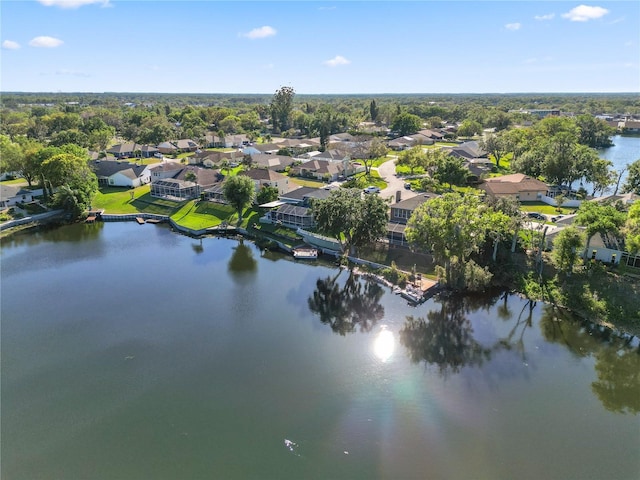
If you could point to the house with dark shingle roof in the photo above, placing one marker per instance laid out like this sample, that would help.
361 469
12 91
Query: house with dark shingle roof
131 149
468 150
399 216
120 174
305 195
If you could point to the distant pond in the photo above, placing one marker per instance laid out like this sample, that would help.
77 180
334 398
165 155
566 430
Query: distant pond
131 352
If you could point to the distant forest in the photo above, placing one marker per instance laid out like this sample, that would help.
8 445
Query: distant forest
578 103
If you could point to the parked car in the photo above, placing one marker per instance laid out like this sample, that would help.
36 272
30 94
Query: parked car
536 216
407 186
556 218
371 189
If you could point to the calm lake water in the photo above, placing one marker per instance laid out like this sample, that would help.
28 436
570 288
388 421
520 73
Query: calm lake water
130 352
625 150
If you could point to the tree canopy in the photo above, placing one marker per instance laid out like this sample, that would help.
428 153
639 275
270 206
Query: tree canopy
632 183
599 218
239 191
632 229
353 219
453 228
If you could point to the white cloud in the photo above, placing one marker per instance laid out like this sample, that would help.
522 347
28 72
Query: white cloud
10 45
262 32
45 42
584 13
336 61
513 26
73 73
617 20
69 4
548 16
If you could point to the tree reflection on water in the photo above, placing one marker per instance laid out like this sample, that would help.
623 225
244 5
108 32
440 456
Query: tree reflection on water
346 307
617 359
242 260
444 338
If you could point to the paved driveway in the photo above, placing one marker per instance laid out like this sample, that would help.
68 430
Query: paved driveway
394 184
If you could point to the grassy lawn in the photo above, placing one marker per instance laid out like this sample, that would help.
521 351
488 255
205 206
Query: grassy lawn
404 170
542 207
308 182
15 181
379 161
118 200
198 215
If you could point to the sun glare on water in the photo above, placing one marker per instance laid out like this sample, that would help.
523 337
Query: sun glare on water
384 345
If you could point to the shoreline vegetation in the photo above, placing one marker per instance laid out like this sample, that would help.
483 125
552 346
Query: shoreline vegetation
442 147
595 293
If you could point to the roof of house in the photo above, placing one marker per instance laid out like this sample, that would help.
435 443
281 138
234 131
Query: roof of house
128 147
271 161
341 137
167 166
186 143
10 191
167 145
205 176
264 174
302 193
468 150
320 166
513 184
413 202
108 168
626 198
267 147
333 154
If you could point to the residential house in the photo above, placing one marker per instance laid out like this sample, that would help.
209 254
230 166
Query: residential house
13 194
304 196
167 148
319 169
399 216
171 183
278 163
631 127
468 150
409 141
211 159
186 145
121 174
131 149
263 176
213 140
434 135
518 186
292 216
271 148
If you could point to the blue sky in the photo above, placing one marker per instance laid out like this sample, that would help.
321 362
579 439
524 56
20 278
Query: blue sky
319 47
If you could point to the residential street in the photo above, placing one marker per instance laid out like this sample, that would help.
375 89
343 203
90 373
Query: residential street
388 173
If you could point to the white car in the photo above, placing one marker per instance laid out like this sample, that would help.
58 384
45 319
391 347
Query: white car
371 189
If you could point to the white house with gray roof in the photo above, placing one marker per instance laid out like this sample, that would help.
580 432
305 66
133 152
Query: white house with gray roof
120 174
